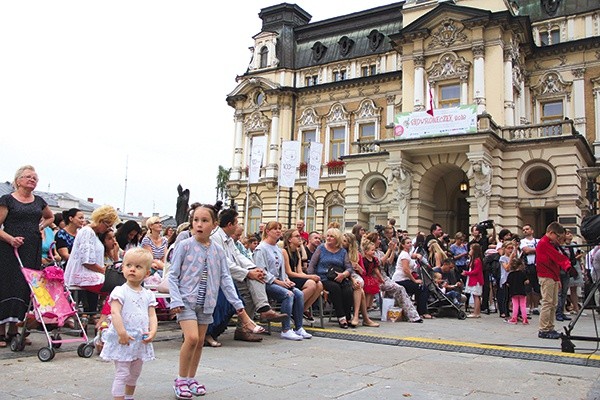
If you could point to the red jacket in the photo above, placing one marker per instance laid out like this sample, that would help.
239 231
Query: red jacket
549 260
475 274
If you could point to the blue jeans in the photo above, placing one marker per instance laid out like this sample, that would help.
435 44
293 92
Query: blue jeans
292 303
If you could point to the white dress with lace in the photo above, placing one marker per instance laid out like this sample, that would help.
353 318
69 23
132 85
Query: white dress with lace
135 317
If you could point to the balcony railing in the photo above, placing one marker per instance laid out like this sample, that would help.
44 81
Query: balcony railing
365 147
527 132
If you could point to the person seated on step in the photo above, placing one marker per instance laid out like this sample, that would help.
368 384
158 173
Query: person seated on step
278 285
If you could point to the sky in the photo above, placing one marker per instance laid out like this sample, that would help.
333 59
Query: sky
121 101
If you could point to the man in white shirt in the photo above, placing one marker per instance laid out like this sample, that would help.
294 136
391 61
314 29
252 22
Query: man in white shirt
527 245
248 278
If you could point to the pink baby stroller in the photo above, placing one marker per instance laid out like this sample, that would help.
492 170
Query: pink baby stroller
51 305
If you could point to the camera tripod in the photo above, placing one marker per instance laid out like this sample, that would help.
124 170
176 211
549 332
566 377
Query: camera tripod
566 338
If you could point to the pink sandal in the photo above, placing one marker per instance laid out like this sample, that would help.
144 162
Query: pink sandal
182 390
195 388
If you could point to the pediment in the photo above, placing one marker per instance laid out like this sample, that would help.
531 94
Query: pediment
249 85
444 11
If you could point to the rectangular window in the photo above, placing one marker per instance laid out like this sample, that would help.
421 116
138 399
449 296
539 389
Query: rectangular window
368 70
307 137
254 215
339 75
366 132
552 111
449 96
337 142
548 38
311 80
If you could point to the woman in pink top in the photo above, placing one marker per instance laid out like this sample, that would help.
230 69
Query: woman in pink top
475 279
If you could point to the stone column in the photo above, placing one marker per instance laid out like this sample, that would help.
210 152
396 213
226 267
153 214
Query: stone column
389 121
509 104
479 77
273 160
238 150
464 90
419 83
579 100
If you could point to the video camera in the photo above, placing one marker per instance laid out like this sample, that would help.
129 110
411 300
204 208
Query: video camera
487 224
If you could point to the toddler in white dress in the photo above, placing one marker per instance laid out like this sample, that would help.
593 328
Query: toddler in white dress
127 341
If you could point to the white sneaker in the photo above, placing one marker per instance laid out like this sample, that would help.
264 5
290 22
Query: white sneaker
303 333
290 335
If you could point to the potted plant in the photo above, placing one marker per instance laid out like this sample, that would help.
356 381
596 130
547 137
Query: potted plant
303 166
335 163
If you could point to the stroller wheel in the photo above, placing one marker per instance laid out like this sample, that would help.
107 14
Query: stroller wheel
85 350
462 315
56 337
17 343
46 354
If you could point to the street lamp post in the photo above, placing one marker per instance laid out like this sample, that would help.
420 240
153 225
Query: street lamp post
590 174
233 191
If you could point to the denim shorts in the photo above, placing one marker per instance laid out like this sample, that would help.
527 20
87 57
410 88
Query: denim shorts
196 314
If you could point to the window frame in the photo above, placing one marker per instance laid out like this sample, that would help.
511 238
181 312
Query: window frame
340 144
450 102
253 221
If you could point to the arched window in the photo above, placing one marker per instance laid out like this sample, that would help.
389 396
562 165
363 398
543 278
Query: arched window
335 213
309 221
264 56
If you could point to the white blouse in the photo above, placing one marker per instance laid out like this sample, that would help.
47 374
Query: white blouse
87 249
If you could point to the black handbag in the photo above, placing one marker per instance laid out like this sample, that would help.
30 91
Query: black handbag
113 277
333 271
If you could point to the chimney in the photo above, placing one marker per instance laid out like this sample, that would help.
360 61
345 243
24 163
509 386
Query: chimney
130 213
140 214
90 199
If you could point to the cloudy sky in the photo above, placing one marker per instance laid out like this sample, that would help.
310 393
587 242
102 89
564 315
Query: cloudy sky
92 92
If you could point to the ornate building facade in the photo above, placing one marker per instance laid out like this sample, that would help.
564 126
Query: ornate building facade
529 70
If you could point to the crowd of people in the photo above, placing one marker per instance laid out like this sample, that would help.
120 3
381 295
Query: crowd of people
213 271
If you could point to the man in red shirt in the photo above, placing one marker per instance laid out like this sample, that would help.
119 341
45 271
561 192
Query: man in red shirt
548 262
301 231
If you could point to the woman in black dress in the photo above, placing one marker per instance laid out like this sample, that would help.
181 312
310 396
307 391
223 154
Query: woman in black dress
24 216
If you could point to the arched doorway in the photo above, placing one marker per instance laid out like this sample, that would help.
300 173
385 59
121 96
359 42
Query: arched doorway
443 200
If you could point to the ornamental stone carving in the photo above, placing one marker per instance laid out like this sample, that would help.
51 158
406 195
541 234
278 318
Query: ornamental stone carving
402 178
478 51
334 199
254 201
481 173
367 109
337 114
447 34
309 118
448 66
419 61
256 122
552 84
578 73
